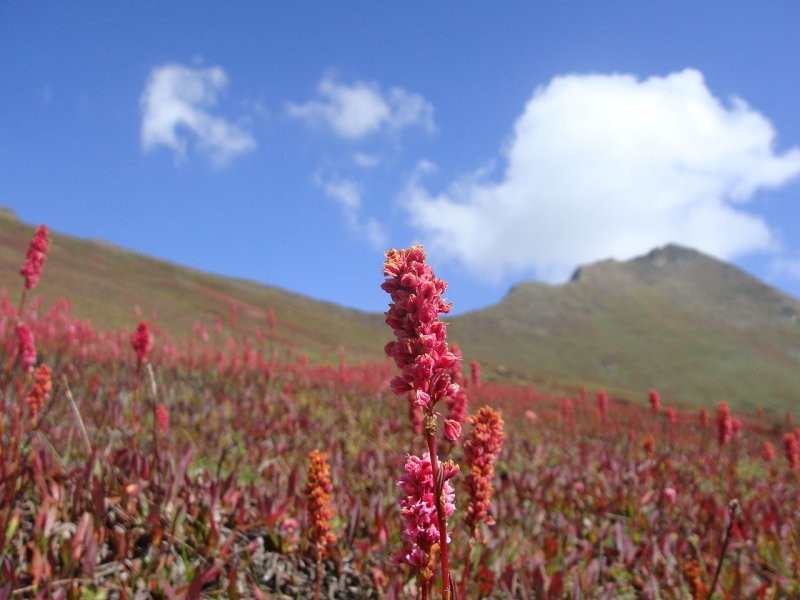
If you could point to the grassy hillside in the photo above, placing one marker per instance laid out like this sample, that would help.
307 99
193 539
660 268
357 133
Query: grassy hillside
697 329
105 283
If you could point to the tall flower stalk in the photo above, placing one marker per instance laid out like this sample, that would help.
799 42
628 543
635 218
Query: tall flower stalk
31 271
421 352
319 513
481 448
34 261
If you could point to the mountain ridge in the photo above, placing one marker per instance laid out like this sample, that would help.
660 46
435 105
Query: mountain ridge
674 319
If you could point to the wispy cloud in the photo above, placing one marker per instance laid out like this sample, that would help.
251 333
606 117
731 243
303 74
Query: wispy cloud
354 111
785 267
177 106
348 194
609 166
366 161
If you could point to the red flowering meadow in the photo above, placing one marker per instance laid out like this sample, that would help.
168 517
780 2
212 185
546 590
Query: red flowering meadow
279 472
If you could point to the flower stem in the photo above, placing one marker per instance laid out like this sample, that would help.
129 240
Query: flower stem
438 479
734 504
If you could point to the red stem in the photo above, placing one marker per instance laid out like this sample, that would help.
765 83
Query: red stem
465 575
440 513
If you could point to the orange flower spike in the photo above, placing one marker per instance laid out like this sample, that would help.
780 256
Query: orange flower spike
318 496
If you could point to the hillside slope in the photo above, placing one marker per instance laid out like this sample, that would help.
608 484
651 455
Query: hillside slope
697 329
105 283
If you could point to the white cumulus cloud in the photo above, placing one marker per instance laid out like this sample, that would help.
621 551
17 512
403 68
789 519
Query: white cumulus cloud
360 109
177 105
604 166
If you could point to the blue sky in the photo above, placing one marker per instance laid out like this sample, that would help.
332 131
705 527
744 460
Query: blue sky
292 143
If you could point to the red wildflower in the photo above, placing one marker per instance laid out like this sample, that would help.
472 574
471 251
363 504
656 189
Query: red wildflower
420 350
791 449
649 446
485 578
34 260
475 371
480 452
724 423
672 416
40 390
418 509
457 402
655 400
567 408
694 576
142 341
162 418
27 347
318 496
602 402
768 452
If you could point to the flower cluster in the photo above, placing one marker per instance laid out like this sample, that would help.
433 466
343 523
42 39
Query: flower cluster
27 347
480 451
457 402
602 402
142 341
768 452
418 509
694 575
791 449
655 400
318 497
724 424
420 350
34 260
475 372
649 446
736 427
162 418
39 393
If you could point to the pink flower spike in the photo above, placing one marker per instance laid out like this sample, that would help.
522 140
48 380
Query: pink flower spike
420 347
417 507
34 260
162 418
655 400
142 341
27 347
